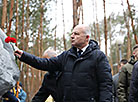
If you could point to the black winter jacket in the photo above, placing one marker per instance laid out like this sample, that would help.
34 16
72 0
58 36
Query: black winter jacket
133 95
50 86
85 79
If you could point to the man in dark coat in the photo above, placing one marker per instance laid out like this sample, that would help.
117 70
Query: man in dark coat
133 95
124 80
115 80
86 76
49 87
49 84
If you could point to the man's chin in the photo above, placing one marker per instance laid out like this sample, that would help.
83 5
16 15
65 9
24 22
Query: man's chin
73 44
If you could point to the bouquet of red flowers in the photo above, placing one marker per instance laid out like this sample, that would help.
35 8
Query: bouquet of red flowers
10 39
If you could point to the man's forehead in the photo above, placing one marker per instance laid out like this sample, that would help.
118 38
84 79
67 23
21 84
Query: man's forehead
77 30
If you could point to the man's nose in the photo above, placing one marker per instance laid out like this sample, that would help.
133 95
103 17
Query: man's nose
72 35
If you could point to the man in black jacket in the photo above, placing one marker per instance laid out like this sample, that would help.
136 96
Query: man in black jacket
133 95
49 84
85 69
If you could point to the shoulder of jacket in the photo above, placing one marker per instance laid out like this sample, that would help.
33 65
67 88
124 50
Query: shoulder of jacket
99 54
127 66
123 69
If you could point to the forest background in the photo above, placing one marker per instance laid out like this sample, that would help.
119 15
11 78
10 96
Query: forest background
41 24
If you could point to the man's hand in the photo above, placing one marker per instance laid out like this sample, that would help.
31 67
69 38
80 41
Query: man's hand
18 53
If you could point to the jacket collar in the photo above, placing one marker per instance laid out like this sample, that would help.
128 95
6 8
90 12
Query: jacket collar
93 45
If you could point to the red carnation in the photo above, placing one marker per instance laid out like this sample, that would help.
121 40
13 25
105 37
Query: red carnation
10 39
13 40
7 40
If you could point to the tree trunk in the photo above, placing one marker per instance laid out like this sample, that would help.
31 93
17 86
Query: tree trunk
38 74
55 39
4 13
97 26
16 36
132 23
17 22
10 20
128 35
128 40
95 33
75 13
32 73
82 12
94 24
27 81
41 41
98 31
55 35
22 35
105 28
111 58
77 4
22 47
64 38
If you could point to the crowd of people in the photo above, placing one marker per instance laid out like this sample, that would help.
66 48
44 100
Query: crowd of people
123 81
83 73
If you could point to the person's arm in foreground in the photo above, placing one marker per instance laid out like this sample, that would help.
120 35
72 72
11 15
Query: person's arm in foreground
51 64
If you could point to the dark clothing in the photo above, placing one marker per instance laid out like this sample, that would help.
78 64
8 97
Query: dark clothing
133 96
49 87
124 81
115 83
10 97
85 79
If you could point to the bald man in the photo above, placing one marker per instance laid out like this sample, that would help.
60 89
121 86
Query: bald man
85 68
49 84
49 54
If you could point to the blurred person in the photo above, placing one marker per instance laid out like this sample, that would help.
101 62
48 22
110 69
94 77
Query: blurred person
116 78
49 84
124 79
10 96
133 96
85 68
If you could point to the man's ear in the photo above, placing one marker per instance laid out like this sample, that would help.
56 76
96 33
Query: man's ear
87 36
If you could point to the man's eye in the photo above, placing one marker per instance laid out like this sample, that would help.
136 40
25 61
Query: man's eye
76 33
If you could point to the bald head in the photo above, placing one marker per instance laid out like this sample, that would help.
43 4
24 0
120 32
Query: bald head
80 36
84 28
49 54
